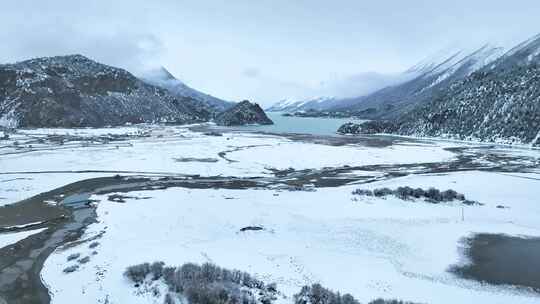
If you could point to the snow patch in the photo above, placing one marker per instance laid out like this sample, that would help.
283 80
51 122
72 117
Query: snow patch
7 239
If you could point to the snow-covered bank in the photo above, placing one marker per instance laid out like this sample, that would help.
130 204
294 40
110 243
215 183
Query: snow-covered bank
7 239
17 187
369 247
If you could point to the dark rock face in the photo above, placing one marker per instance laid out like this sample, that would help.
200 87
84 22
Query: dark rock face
368 127
74 91
243 113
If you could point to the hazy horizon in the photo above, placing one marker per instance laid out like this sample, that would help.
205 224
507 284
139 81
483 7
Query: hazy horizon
263 51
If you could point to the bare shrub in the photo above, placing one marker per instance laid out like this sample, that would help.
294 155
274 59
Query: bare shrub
157 270
431 195
71 268
381 192
383 301
169 298
317 294
74 256
205 284
404 193
363 192
84 260
137 273
418 193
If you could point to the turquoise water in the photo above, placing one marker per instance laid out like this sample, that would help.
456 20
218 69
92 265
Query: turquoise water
305 125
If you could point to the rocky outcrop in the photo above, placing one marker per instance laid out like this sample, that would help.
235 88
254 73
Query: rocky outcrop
243 113
74 91
368 127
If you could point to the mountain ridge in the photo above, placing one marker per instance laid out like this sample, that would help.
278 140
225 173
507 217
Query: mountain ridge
75 91
497 103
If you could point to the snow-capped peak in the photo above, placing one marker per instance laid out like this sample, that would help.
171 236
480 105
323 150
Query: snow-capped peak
163 78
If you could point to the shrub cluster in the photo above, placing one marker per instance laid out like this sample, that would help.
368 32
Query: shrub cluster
211 284
431 195
383 301
316 294
205 284
137 273
73 256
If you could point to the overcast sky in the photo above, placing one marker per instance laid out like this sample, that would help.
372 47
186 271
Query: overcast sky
262 50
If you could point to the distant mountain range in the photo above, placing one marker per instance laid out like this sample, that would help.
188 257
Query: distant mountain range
291 105
484 96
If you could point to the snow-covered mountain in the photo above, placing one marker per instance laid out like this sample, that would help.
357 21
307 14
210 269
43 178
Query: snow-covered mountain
74 91
400 92
433 76
498 103
163 78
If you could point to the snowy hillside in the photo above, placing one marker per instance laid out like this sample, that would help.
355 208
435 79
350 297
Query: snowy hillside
434 75
498 103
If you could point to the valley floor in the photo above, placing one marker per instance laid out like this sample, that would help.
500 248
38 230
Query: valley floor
123 196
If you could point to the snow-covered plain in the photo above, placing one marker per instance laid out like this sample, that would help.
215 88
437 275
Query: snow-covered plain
38 168
253 152
366 246
369 247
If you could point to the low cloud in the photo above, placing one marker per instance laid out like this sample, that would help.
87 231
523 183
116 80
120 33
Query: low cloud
132 51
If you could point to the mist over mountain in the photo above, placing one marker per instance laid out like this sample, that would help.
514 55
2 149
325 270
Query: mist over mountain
399 93
163 78
331 93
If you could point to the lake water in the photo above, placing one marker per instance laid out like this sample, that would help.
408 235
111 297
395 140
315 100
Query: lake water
305 125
